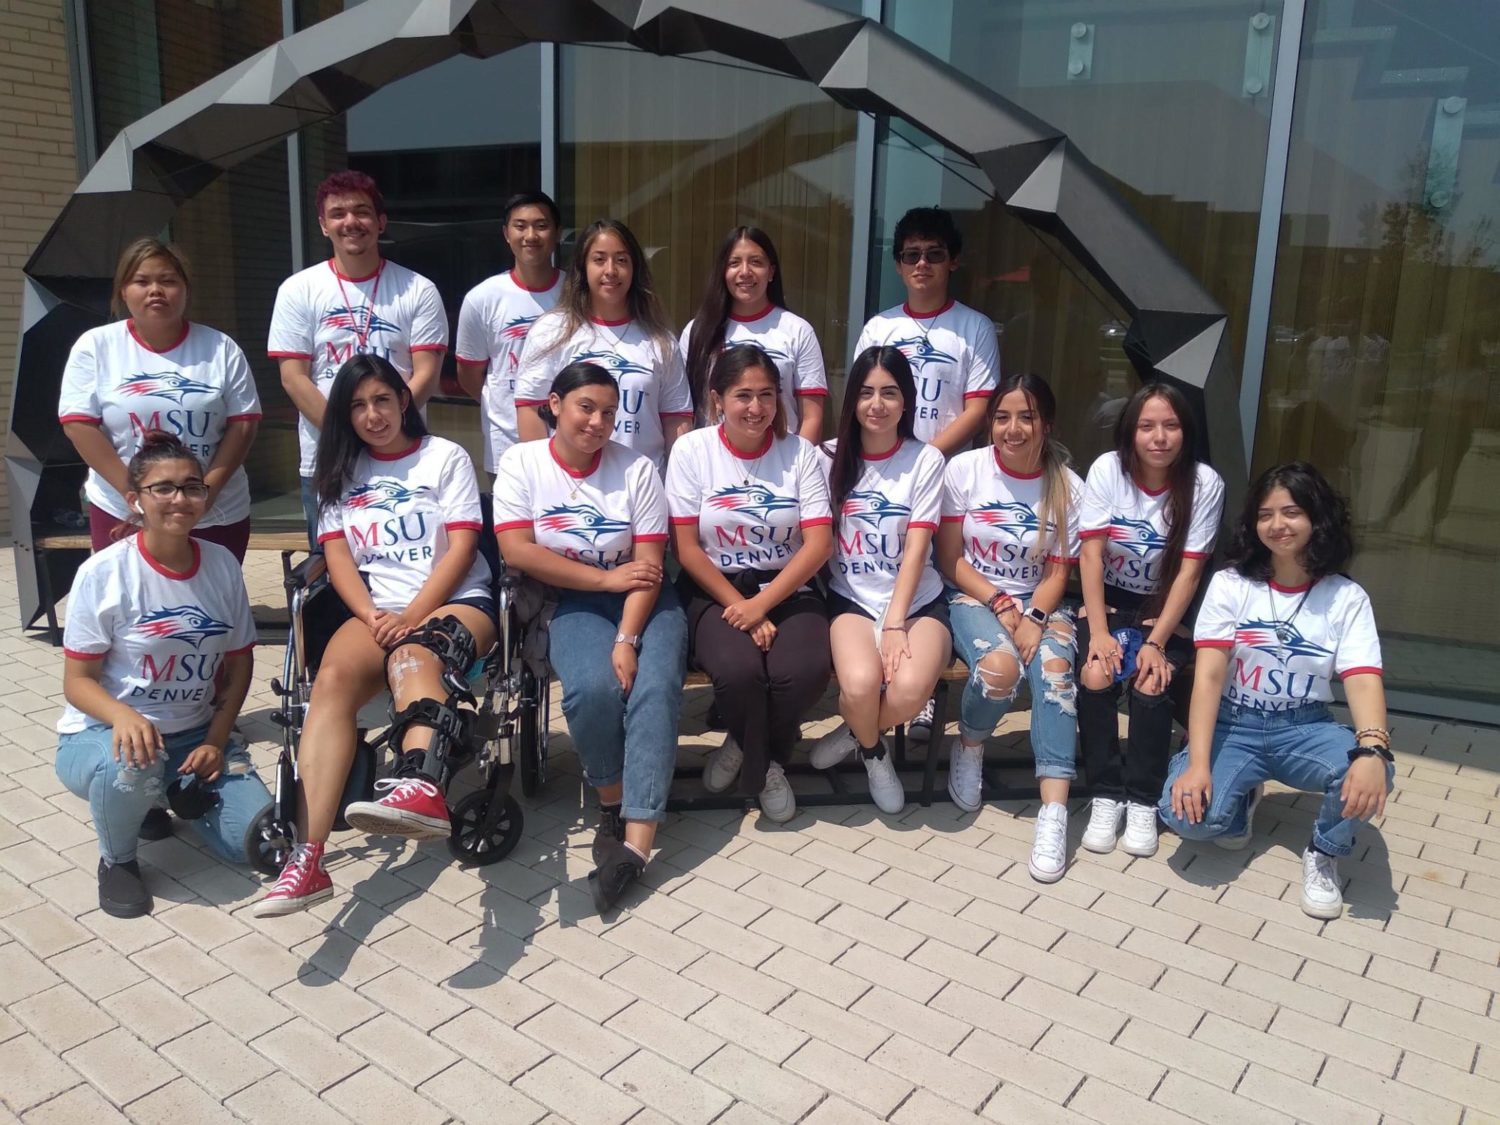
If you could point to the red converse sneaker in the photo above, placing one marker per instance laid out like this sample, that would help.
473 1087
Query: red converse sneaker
413 808
303 882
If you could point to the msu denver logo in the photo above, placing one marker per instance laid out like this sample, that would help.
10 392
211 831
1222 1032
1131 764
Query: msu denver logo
1136 536
919 352
180 623
1281 639
166 384
343 316
616 365
872 508
381 494
582 520
517 329
1010 516
753 499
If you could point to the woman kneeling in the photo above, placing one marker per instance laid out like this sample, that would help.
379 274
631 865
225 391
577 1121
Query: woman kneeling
588 517
1274 629
158 656
399 523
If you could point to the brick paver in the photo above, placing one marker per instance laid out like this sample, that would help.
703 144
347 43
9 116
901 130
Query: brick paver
844 968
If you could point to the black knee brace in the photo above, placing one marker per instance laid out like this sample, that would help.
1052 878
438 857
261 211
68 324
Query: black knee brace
453 644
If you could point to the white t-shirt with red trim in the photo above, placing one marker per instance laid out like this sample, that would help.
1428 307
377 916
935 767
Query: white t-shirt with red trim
900 490
396 512
652 385
1134 523
326 318
1286 643
1000 514
749 509
492 326
596 516
161 634
954 356
193 389
792 345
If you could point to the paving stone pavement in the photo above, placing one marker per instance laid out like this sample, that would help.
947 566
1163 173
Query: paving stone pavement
845 967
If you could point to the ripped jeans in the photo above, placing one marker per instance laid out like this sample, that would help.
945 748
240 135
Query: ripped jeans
1054 712
119 796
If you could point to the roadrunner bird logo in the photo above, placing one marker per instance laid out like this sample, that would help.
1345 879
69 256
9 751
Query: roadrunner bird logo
1281 639
188 623
1010 516
381 494
919 352
753 499
872 508
1138 537
584 521
165 384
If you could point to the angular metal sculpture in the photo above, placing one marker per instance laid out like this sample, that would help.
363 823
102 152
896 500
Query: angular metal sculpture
1177 330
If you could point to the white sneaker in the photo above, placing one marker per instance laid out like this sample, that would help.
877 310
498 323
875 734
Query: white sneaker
885 786
920 728
1104 824
965 775
777 800
1140 829
833 748
1049 850
1321 897
1235 843
723 766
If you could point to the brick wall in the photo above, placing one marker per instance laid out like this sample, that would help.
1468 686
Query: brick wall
37 170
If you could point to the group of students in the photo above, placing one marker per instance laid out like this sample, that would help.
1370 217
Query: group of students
873 555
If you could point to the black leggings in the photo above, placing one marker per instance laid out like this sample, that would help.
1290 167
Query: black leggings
1140 774
763 696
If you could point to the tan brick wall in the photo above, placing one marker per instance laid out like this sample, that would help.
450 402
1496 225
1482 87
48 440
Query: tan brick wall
37 167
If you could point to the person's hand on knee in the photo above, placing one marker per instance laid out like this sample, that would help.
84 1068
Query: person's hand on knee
135 741
1364 788
1192 792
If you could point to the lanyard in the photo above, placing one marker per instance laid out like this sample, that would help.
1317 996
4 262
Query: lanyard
360 336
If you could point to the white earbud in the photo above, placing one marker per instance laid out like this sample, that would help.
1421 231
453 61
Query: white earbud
136 508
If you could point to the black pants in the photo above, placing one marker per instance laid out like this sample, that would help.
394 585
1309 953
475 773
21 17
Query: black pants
762 696
1139 774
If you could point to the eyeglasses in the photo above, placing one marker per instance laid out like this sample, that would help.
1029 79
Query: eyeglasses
166 490
937 255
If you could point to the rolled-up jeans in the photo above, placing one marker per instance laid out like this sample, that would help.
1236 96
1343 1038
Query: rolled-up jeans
1304 747
1054 713
120 795
619 737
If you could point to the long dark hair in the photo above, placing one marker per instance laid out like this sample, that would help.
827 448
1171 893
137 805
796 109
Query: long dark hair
644 305
845 471
1052 516
571 378
1331 544
707 336
1182 476
338 445
730 368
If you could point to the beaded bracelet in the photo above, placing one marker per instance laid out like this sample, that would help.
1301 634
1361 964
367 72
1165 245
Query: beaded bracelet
1378 732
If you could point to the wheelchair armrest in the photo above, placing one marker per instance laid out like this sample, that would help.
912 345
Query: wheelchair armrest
306 573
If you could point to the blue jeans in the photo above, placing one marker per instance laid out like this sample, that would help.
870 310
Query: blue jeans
630 738
310 511
1303 748
119 796
1054 712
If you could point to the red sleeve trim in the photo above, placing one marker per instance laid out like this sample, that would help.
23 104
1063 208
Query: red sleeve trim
74 654
244 418
976 394
463 525
327 535
821 521
1093 534
290 355
648 538
810 392
1069 559
928 524
531 402
676 414
89 418
467 359
512 525
1347 672
684 520
241 651
428 348
953 519
1213 644
1196 554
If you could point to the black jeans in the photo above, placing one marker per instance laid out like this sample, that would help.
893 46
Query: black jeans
762 696
1138 774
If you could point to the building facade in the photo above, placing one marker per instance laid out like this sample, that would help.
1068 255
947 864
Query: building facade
1328 169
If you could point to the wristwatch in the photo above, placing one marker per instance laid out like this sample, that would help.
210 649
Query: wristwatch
1038 615
631 639
1360 751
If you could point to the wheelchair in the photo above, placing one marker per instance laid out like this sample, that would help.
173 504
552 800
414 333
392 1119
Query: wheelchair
504 715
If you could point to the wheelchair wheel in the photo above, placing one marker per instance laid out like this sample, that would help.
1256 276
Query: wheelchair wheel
530 746
268 843
469 843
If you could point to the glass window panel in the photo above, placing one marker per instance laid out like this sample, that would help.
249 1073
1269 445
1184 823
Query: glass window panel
1383 362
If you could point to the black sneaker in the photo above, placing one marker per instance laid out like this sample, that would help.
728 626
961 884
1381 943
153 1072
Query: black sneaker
611 831
157 825
620 868
920 727
122 894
